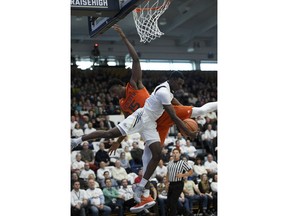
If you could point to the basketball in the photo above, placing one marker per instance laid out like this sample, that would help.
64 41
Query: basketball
191 124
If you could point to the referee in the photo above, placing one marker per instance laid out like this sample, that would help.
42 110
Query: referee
176 170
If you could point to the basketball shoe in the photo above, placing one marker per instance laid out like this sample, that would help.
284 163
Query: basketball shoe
75 142
146 203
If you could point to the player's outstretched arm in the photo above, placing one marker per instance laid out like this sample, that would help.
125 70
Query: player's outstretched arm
206 108
112 133
136 76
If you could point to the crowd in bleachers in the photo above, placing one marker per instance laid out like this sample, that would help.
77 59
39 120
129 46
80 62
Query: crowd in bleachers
89 88
103 183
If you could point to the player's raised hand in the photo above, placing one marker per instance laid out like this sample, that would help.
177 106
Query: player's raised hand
113 148
118 29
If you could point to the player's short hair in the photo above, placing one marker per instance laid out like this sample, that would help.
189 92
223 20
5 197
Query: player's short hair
114 82
176 75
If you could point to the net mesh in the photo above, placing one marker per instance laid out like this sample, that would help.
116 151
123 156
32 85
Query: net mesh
146 19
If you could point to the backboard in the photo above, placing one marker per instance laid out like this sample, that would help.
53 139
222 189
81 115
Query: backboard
99 24
94 7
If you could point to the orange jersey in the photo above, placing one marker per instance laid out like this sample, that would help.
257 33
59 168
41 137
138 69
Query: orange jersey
165 122
135 98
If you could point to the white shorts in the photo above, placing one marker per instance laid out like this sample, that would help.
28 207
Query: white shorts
140 122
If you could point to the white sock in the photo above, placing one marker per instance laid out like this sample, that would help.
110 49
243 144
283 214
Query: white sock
146 193
143 182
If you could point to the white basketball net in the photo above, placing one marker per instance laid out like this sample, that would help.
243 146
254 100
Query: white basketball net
146 19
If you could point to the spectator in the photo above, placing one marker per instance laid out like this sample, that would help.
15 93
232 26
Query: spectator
78 165
161 170
165 156
99 118
127 153
96 200
208 139
78 200
126 142
89 129
113 198
101 170
190 150
169 141
85 122
87 156
85 173
199 168
73 122
91 115
189 191
212 116
128 193
211 166
118 172
136 153
201 121
181 139
77 131
102 126
102 155
107 123
206 193
111 109
124 162
106 175
92 176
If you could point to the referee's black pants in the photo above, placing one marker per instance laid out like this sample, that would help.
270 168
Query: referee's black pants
174 191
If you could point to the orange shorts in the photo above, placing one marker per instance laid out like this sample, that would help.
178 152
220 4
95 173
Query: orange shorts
165 122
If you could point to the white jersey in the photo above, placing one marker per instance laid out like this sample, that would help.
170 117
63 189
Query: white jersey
161 95
143 120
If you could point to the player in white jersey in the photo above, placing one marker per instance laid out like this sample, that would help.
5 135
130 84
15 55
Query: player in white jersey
143 121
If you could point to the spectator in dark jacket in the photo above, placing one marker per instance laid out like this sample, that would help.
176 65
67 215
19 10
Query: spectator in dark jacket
102 155
136 153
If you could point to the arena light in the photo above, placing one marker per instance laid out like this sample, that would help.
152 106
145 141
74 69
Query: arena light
190 49
83 65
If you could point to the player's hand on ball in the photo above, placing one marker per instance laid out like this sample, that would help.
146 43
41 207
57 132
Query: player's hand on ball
193 134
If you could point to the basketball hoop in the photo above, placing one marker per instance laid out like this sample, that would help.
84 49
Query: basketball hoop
146 19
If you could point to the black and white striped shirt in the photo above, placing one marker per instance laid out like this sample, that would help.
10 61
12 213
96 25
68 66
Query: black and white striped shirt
175 167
